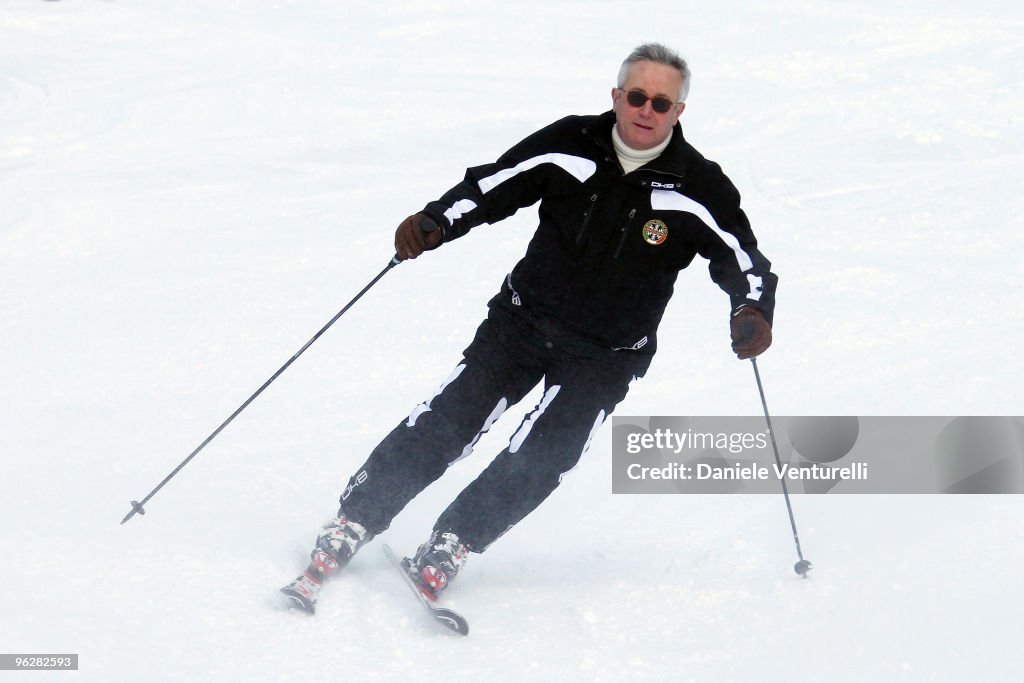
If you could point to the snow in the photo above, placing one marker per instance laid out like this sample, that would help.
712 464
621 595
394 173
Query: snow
190 190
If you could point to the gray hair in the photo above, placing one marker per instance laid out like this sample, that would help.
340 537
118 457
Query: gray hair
658 53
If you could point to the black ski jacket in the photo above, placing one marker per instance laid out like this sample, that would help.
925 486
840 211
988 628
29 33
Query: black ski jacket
609 246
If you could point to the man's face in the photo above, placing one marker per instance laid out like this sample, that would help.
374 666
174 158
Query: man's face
642 127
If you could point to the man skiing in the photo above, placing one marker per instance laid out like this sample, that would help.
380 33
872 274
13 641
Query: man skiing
625 204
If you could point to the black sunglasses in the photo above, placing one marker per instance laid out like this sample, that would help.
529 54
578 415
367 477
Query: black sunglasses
638 99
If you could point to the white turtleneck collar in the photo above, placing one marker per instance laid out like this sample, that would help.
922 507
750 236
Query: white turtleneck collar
632 159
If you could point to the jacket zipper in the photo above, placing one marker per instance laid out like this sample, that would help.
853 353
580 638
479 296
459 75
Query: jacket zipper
516 301
625 228
586 219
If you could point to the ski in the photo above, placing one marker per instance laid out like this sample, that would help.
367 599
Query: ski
449 618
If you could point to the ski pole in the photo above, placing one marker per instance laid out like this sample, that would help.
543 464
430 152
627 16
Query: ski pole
802 566
137 505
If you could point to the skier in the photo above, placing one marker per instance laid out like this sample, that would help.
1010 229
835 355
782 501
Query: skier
625 204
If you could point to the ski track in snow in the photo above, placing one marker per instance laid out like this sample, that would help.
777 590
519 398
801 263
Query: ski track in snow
189 191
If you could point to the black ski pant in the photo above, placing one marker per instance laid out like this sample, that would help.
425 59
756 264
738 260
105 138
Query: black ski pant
508 357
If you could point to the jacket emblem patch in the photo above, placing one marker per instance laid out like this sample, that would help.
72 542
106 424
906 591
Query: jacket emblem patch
655 232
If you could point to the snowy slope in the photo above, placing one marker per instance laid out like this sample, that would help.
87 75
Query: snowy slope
189 190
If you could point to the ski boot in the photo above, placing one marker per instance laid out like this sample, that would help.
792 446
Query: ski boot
338 541
437 562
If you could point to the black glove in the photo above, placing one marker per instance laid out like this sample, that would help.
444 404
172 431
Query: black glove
751 333
416 234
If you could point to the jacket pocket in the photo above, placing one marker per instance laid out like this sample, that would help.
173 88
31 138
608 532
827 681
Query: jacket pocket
625 231
586 219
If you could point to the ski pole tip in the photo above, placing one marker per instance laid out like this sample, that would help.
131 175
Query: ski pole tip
802 567
136 507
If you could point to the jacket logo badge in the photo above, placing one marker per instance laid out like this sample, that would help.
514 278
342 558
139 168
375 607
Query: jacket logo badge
655 232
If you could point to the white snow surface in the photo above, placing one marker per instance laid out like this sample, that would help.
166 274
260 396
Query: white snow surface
188 191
